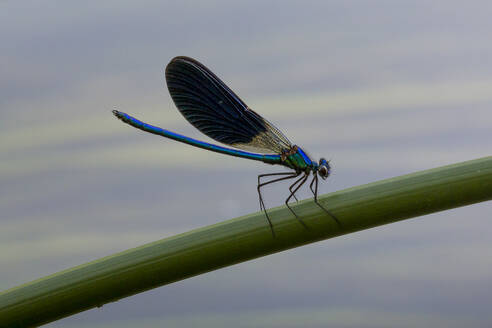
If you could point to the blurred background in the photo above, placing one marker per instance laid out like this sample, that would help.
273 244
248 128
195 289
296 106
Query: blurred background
382 88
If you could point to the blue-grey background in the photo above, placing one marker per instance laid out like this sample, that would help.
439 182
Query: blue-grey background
382 88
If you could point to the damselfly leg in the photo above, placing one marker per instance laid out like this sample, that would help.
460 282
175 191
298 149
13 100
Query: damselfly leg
301 181
289 175
315 193
292 187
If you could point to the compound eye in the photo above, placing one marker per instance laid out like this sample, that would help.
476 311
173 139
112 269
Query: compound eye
323 171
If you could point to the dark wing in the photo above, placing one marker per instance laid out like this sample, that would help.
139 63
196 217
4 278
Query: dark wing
214 109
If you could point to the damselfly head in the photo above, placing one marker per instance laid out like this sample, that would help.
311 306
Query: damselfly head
323 168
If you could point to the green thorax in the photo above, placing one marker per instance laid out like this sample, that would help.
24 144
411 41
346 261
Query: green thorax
297 159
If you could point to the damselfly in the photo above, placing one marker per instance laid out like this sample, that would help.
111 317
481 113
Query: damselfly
214 109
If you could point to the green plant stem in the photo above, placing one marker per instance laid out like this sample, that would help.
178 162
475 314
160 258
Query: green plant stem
244 238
